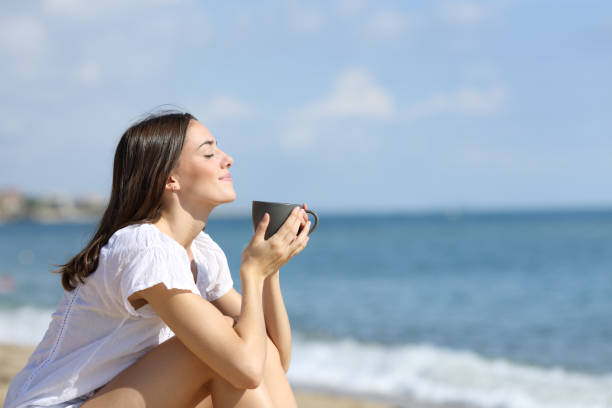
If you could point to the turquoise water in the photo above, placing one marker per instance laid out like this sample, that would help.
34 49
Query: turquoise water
533 290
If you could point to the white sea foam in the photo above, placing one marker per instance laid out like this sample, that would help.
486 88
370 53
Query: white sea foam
24 326
442 375
426 372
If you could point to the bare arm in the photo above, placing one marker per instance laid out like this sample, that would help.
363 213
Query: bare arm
276 318
275 315
275 312
237 354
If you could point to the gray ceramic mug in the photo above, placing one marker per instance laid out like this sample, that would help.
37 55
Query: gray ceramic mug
279 212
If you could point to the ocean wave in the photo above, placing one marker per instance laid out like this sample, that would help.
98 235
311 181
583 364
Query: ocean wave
439 375
429 373
24 325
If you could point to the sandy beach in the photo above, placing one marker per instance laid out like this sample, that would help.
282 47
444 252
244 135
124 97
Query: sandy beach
13 358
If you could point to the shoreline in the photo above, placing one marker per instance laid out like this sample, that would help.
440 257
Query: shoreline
13 358
313 397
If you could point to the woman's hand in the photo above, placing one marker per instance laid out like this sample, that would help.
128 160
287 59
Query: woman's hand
304 220
267 256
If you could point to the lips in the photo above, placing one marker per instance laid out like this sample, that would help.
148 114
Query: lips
227 177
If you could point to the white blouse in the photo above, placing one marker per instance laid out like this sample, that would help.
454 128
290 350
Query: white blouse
95 333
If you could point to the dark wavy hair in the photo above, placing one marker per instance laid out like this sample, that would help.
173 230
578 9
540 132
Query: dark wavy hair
145 155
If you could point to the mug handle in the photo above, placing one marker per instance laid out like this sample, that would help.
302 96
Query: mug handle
316 218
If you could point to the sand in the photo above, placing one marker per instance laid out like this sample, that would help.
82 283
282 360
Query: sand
13 358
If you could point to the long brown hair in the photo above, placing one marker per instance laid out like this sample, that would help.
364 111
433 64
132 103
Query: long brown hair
145 155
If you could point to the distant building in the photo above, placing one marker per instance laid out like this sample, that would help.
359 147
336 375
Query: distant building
12 204
50 208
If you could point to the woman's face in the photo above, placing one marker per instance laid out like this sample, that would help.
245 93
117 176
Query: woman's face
202 172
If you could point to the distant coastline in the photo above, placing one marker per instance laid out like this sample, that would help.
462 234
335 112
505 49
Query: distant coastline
17 206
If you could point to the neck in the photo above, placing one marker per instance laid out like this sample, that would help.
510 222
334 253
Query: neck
181 225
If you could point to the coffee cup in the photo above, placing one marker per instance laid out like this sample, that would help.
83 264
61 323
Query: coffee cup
279 212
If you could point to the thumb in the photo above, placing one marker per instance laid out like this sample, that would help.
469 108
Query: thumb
260 232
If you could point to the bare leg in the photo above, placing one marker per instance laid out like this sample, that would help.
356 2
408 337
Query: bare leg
171 376
225 395
276 381
274 391
204 403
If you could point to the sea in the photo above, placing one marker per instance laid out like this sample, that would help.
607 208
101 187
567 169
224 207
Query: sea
480 309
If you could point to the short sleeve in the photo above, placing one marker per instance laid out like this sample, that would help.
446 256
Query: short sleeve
213 264
143 268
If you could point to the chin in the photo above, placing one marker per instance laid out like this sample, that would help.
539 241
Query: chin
230 199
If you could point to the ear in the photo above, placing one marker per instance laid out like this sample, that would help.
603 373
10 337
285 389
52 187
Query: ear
172 184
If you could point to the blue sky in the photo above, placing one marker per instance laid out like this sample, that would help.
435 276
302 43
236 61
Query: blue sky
347 105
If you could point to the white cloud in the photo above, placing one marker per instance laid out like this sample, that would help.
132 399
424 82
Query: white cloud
299 137
225 107
350 7
78 8
89 9
355 93
62 6
23 47
166 2
389 24
465 101
482 71
305 20
89 72
22 36
474 101
242 18
12 121
462 13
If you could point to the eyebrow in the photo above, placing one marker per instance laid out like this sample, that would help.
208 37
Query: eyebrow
208 142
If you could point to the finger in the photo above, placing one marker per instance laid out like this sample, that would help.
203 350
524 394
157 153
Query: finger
289 229
305 230
305 207
299 219
303 219
290 234
260 232
304 216
300 244
299 240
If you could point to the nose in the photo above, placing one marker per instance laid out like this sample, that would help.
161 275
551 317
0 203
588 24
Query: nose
228 160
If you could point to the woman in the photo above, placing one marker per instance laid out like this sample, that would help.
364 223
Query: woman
150 272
